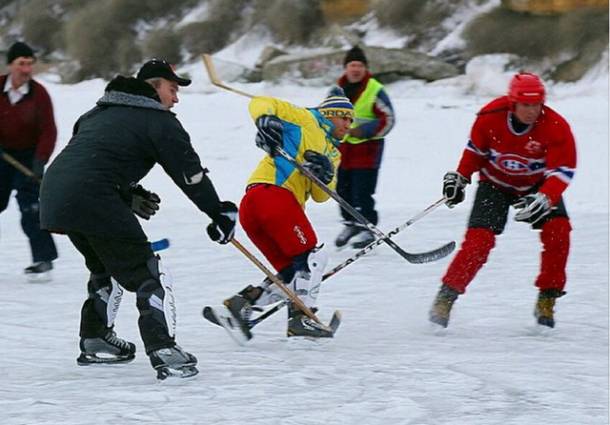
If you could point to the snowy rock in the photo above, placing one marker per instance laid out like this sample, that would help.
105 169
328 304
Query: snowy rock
328 65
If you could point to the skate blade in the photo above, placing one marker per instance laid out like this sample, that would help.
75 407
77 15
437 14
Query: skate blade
230 325
94 359
185 372
39 277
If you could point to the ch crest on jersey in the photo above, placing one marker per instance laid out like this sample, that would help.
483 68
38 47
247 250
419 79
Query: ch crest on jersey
513 164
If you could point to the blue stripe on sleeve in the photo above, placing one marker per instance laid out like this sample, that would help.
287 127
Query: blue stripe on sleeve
292 141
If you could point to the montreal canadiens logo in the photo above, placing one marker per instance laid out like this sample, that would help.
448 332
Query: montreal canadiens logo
513 164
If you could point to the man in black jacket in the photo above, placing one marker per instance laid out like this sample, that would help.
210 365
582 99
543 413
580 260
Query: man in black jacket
90 193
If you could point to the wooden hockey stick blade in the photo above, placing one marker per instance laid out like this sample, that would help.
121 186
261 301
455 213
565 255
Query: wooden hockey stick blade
211 70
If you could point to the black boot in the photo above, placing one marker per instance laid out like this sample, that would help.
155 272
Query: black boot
39 272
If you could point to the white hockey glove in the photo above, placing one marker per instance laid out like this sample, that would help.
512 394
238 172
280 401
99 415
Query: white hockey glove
532 208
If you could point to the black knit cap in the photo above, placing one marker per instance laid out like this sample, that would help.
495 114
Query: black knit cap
355 54
158 68
17 50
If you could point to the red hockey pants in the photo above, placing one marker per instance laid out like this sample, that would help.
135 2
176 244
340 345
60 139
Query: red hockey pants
276 224
478 242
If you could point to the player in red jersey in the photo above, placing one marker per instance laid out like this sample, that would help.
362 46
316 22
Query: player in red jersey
525 155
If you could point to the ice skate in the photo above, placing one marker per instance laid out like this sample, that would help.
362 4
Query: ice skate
544 311
173 361
362 239
301 325
108 349
39 272
240 310
349 231
441 308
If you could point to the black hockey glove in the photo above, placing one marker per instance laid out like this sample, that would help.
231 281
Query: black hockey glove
143 203
270 133
319 165
222 228
38 168
532 208
453 188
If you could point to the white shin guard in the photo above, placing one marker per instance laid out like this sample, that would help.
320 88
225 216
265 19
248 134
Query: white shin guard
306 284
162 299
113 302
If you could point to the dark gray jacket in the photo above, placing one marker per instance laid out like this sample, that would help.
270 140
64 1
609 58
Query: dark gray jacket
115 143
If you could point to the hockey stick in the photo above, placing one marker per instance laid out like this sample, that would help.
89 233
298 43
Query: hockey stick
209 66
434 255
442 252
295 300
410 257
18 165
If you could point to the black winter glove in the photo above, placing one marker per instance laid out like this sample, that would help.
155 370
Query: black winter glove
143 203
222 228
453 188
319 165
532 208
270 133
38 167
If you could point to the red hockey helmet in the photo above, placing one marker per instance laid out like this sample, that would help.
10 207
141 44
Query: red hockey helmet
526 88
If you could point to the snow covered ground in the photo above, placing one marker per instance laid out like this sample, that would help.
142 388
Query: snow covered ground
386 365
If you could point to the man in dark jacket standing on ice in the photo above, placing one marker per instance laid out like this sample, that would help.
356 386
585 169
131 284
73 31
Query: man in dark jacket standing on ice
90 193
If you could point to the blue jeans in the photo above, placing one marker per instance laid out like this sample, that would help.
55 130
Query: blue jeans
41 243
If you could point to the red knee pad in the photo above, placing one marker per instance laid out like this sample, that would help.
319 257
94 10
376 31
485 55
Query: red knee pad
472 255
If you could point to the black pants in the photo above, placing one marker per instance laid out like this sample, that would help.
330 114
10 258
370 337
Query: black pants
491 205
41 243
132 263
357 187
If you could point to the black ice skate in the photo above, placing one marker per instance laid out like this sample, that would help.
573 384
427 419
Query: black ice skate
240 310
108 349
40 271
173 361
441 308
545 304
301 325
349 231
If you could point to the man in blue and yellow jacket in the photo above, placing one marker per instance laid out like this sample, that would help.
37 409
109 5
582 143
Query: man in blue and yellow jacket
272 210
